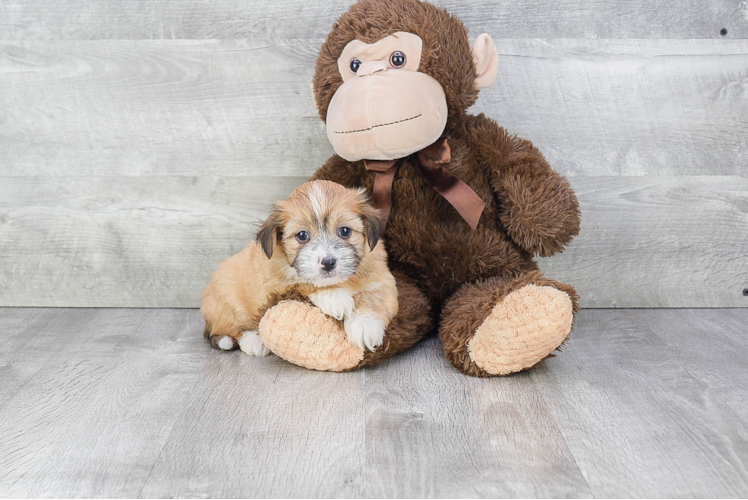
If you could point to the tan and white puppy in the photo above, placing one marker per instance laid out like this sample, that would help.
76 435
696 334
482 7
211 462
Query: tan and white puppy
322 243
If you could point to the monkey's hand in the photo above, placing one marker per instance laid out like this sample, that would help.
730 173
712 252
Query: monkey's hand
538 208
539 211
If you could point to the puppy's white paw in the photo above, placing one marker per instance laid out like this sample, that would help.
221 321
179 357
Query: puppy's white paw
365 331
251 344
224 342
335 302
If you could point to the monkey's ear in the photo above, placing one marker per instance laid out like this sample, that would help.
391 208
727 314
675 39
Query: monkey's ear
486 61
268 233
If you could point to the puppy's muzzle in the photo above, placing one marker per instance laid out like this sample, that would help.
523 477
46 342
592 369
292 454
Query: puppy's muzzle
328 263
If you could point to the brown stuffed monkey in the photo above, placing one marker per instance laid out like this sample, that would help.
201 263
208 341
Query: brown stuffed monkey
467 204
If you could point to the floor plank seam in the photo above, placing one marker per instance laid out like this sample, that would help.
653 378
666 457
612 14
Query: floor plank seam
566 443
171 432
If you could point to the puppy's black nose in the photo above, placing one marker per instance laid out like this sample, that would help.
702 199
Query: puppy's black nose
328 263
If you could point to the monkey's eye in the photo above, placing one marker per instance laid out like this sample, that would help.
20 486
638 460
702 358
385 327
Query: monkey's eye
355 64
344 232
397 59
302 236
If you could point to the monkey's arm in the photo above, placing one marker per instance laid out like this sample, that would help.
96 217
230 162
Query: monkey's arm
538 207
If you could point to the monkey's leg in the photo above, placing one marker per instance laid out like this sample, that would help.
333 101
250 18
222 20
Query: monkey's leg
301 334
502 326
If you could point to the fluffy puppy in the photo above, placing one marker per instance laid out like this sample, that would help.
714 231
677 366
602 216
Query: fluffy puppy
321 243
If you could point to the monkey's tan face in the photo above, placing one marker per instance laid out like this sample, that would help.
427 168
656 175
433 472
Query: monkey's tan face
386 108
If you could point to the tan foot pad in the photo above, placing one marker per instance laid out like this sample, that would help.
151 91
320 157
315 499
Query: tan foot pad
522 329
301 334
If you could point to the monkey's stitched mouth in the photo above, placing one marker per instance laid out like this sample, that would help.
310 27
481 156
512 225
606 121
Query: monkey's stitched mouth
380 125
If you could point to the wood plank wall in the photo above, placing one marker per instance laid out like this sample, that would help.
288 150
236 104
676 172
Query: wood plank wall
140 141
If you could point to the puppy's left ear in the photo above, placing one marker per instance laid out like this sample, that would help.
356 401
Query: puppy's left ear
373 224
269 232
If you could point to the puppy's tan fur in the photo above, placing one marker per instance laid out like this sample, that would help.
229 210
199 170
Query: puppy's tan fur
237 296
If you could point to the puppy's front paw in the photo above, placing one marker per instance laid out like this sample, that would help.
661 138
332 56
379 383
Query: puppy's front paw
335 302
365 331
252 344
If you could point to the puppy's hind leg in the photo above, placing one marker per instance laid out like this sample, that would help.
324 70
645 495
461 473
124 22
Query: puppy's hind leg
227 341
231 302
226 333
221 326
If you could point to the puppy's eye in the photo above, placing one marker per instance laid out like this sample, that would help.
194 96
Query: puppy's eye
397 59
344 232
355 64
302 236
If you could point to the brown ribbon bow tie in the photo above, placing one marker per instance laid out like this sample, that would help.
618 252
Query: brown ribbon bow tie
456 192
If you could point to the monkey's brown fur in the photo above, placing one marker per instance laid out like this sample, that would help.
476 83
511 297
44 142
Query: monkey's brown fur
444 269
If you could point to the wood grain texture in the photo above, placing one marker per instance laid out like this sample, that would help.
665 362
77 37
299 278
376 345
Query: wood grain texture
30 340
134 403
124 241
153 241
635 414
658 242
131 167
94 419
159 107
432 432
626 107
131 19
265 428
715 354
244 107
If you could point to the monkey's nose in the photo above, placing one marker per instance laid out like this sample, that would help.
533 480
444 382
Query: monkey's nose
328 263
371 67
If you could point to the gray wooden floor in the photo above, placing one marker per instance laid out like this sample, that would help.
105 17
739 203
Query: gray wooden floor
118 402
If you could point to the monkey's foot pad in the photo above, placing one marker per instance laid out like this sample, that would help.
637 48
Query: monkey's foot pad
522 329
303 335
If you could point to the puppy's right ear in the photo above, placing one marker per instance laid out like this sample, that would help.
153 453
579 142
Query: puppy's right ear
269 232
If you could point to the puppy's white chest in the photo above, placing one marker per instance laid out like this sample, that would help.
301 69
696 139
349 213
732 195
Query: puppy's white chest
335 302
